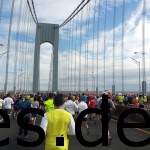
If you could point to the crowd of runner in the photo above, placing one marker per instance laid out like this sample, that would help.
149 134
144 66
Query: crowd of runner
74 104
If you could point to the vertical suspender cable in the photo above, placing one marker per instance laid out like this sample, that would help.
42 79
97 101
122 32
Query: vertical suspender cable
93 51
68 59
123 13
16 47
69 55
25 50
80 51
88 27
143 41
86 50
50 72
76 54
114 25
72 51
98 33
85 56
8 47
1 9
105 23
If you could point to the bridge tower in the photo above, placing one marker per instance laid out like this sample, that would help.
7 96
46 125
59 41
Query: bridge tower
46 33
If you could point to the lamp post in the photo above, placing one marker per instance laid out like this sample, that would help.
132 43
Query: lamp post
138 63
143 71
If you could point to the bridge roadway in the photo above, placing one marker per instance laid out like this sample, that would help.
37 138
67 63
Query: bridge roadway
132 134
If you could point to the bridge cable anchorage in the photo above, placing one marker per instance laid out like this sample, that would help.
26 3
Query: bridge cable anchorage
105 23
73 15
31 12
123 13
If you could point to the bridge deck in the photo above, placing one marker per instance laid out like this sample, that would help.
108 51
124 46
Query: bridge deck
132 134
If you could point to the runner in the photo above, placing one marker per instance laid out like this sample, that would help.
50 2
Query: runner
82 106
24 105
8 104
92 104
49 103
18 100
55 123
110 108
34 104
70 106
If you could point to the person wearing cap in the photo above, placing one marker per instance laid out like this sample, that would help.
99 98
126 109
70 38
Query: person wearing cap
57 123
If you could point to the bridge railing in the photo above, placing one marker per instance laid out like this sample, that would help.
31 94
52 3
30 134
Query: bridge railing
134 117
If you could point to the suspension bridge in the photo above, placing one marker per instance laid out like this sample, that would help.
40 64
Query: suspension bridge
91 50
99 45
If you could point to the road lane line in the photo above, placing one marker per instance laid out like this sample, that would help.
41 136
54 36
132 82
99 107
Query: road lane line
134 128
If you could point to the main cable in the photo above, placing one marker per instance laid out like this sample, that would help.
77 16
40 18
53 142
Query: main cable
67 20
34 11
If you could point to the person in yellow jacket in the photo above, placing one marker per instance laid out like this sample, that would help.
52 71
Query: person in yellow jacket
57 123
49 105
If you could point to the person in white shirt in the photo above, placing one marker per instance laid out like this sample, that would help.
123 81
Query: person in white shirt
82 106
70 106
34 104
7 104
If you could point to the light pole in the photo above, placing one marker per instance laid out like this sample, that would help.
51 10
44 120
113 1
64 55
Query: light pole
144 90
138 63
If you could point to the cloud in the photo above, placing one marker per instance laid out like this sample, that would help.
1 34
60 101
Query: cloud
51 11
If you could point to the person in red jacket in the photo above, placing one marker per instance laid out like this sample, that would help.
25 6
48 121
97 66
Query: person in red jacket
92 104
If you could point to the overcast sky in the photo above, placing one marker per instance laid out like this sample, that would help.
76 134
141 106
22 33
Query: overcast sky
56 11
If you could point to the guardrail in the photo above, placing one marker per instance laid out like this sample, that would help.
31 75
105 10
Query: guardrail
132 117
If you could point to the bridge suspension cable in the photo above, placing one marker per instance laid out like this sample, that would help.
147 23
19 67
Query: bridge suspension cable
123 13
105 23
33 16
1 9
74 13
114 38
